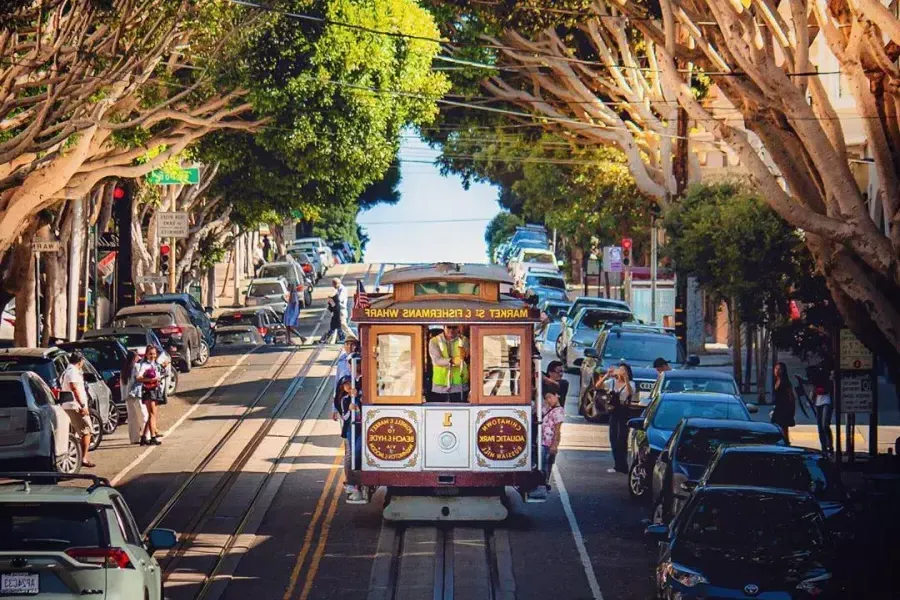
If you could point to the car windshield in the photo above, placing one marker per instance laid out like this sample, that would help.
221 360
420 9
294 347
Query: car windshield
299 256
148 319
543 258
698 383
237 319
48 527
103 356
774 524
556 312
265 289
42 366
671 410
286 271
697 445
595 318
641 348
545 281
12 394
806 473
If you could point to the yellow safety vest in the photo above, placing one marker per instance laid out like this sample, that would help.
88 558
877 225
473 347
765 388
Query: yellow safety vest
450 376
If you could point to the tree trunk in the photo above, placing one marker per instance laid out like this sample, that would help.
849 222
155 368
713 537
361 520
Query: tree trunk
606 284
762 360
76 262
748 366
735 323
26 317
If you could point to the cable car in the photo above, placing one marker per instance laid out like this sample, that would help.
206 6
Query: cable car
450 384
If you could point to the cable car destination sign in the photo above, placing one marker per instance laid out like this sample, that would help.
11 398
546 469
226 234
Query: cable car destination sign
444 314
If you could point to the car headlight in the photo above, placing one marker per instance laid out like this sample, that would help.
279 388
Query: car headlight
684 576
813 586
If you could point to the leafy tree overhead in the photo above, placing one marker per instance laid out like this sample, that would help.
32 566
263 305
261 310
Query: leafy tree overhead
499 229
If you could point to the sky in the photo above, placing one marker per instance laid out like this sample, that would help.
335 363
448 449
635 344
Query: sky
397 232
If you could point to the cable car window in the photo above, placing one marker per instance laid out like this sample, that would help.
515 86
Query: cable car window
462 288
395 372
501 365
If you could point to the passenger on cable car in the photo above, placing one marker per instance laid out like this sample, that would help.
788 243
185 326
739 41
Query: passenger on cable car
347 405
449 353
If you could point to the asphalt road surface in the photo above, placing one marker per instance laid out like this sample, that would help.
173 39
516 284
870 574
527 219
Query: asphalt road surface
249 475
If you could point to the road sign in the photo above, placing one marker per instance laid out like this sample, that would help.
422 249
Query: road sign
152 278
45 246
856 393
289 231
854 355
172 224
612 259
184 176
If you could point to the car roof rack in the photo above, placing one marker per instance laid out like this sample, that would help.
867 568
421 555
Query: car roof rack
28 476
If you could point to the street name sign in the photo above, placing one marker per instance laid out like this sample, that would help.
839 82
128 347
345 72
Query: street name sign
856 393
183 176
612 259
854 355
153 278
53 246
172 224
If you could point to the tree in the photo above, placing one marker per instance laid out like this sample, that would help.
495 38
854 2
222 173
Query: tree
500 229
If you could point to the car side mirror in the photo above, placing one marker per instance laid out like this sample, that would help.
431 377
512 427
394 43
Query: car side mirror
664 457
752 409
636 423
693 360
161 539
657 532
688 486
591 353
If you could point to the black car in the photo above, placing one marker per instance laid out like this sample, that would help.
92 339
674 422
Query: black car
262 318
107 356
652 431
173 326
745 542
637 345
801 469
198 314
693 444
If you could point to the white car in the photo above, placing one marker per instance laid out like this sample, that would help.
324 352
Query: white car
8 322
532 257
271 291
322 248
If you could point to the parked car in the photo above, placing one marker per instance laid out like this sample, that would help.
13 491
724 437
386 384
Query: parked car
637 345
546 280
583 301
107 356
800 469
49 364
346 250
239 335
262 318
74 541
532 257
8 322
745 542
693 380
517 247
651 431
555 310
319 245
292 272
311 250
690 449
173 326
137 339
199 315
268 291
34 430
581 332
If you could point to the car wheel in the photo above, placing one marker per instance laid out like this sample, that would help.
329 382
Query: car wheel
69 462
202 355
637 481
187 362
587 407
560 349
172 382
96 429
112 423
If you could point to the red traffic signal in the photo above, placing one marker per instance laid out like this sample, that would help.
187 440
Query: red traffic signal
626 244
164 250
118 192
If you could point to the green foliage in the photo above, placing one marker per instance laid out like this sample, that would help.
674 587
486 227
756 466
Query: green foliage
739 249
500 228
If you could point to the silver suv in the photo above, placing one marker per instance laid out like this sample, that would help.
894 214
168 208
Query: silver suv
71 542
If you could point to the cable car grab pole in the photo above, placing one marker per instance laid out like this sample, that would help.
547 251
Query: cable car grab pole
540 419
352 431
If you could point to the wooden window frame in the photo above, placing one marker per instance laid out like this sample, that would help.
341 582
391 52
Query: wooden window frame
526 372
370 343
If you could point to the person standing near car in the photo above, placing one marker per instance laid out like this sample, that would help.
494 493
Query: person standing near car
292 315
134 404
149 375
620 391
785 404
72 381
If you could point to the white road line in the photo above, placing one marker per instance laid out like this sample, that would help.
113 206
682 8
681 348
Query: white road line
576 534
143 455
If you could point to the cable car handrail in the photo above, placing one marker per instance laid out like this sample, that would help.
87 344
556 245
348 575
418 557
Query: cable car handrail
540 417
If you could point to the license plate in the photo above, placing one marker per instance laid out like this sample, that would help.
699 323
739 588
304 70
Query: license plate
19 583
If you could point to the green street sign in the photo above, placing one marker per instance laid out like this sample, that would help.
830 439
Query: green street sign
188 176
296 214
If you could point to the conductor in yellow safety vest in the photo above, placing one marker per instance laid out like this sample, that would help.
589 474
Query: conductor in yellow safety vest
449 352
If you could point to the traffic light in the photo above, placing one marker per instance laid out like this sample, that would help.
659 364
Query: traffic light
626 251
165 259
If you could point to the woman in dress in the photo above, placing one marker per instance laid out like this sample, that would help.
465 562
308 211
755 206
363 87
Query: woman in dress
292 314
785 404
134 405
618 381
149 375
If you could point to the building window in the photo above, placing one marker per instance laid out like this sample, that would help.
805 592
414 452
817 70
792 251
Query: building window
501 365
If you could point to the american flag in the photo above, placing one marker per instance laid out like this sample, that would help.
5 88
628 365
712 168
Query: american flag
362 299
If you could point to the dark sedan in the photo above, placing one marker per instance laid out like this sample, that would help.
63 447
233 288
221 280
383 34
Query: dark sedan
199 316
171 323
691 447
745 542
262 318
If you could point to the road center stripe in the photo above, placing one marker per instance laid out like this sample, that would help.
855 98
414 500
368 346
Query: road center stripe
323 540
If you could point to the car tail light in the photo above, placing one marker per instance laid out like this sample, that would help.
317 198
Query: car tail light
172 330
111 558
307 268
263 331
56 392
32 422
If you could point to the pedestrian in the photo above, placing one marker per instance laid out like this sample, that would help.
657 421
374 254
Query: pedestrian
620 392
291 316
344 368
149 375
785 403
823 418
72 382
551 428
266 248
132 390
556 373
347 406
337 304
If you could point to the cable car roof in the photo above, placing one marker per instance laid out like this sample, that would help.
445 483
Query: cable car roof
448 272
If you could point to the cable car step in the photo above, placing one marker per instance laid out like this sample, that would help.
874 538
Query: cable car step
456 508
